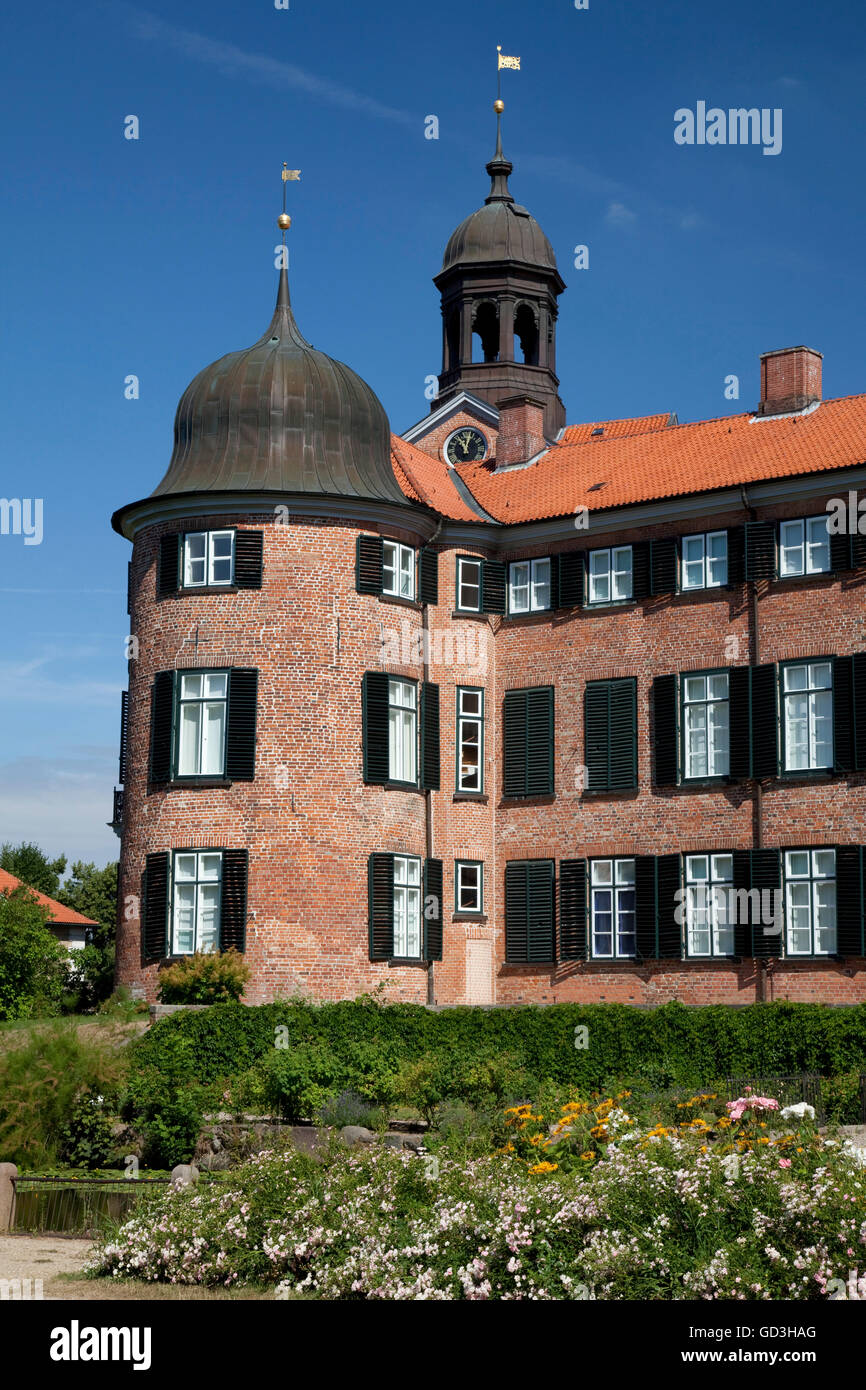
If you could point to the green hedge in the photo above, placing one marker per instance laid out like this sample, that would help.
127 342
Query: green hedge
670 1045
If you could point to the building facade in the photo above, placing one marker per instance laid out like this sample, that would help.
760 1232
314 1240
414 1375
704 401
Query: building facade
501 710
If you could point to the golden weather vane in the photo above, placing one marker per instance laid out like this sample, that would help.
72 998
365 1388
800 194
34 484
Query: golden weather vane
284 221
503 61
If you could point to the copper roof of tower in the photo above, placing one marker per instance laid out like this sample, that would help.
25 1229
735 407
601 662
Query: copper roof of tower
281 416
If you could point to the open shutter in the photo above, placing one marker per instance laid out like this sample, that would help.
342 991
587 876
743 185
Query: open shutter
669 907
858 550
767 878
539 741
541 917
430 760
572 909
516 913
428 575
161 726
374 719
249 549
844 751
623 734
380 894
663 566
570 565
760 545
369 552
124 737
858 702
640 569
742 879
154 916
646 940
736 555
596 722
433 911
168 565
739 725
492 586
849 900
554 582
665 730
241 736
514 742
233 917
840 551
765 721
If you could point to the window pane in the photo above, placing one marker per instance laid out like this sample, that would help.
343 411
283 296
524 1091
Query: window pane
602 871
519 595
221 546
796 677
208 916
209 866
216 686
791 547
693 562
189 740
389 568
696 688
797 732
821 751
190 687
407 584
599 576
541 584
818 545
470 701
622 572
719 739
469 595
184 917
796 863
213 738
696 741
717 558
824 863
195 561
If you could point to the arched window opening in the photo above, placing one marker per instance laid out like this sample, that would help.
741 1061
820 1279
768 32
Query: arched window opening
486 326
452 334
526 331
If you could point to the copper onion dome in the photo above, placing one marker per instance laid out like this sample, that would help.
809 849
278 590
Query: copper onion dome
281 416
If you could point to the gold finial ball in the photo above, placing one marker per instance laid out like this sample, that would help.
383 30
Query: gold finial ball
284 221
499 107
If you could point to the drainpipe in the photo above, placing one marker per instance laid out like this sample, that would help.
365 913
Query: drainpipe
428 805
758 827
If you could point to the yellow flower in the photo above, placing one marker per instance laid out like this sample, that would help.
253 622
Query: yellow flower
544 1167
588 1155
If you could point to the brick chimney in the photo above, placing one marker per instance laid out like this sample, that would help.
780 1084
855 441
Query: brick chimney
790 380
521 430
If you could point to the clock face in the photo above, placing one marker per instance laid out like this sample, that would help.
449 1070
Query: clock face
466 445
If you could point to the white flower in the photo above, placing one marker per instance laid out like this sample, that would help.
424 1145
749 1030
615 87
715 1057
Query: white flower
800 1111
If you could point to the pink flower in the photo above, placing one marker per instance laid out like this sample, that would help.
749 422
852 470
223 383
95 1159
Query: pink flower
784 1162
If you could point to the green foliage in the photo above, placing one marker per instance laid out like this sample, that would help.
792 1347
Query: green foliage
86 1140
208 977
841 1097
27 862
42 1084
93 893
167 1114
32 961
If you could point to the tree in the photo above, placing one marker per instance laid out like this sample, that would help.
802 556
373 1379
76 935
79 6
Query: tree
27 862
93 892
32 961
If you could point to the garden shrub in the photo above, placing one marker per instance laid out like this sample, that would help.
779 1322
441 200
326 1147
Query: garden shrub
87 1138
207 977
33 964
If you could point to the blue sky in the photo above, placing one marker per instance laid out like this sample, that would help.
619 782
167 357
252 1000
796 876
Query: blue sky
155 256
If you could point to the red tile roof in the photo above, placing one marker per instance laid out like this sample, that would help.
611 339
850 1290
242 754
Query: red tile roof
614 429
429 480
59 913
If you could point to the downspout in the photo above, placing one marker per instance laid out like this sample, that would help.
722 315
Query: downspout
428 805
755 641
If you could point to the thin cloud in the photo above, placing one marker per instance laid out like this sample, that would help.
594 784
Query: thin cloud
618 215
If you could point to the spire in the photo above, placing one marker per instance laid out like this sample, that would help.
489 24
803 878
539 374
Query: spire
283 322
499 167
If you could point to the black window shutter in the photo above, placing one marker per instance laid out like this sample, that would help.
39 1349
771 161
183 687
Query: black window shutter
124 737
760 546
858 684
596 722
154 917
539 741
640 569
663 566
739 724
623 733
369 552
668 906
766 877
249 549
168 567
572 909
374 719
765 721
492 586
516 912
129 586
555 601
430 759
858 551
380 894
432 909
840 551
428 575
645 907
233 918
241 739
844 751
514 742
541 917
742 880
736 555
570 566
665 730
161 726
849 900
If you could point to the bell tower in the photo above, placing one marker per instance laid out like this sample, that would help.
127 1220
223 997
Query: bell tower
499 285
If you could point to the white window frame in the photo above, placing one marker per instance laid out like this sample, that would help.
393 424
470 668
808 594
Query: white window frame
711 570
466 718
203 881
209 558
616 872
813 694
408 917
605 575
529 579
203 734
402 731
716 730
399 561
801 543
465 560
819 884
709 879
466 868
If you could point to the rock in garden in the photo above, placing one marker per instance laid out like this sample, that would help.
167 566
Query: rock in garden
356 1134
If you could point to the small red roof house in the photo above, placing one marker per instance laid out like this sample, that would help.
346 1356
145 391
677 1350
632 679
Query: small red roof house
69 926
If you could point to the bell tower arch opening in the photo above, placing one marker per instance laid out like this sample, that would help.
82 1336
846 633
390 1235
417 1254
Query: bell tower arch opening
485 326
526 332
